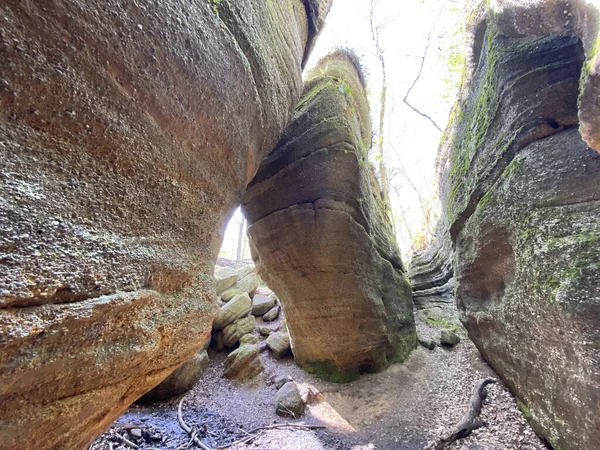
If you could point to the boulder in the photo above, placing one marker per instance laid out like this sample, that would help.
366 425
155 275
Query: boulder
129 132
279 343
225 277
180 381
235 309
449 338
248 284
233 332
520 192
428 343
262 304
272 314
229 294
288 401
246 270
321 236
244 363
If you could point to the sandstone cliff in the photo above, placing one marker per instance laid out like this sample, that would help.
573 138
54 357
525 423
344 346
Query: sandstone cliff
128 133
521 191
321 237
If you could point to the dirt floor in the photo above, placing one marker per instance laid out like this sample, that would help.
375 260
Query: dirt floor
405 407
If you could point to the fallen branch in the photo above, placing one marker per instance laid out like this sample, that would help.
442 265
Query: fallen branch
469 422
189 430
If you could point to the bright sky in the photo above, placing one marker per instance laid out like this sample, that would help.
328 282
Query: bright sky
412 141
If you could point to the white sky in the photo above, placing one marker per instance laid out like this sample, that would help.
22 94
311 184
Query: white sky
412 141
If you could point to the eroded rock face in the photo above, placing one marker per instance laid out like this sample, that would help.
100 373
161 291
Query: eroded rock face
431 274
580 18
321 238
128 133
522 196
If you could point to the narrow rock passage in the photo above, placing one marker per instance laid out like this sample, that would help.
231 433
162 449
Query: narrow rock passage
403 407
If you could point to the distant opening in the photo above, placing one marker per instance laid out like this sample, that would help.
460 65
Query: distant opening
235 250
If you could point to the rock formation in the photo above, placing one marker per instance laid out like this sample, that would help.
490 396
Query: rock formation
431 274
128 133
521 191
321 237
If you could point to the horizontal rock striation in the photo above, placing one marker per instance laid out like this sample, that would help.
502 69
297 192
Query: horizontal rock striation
321 237
521 191
431 274
128 133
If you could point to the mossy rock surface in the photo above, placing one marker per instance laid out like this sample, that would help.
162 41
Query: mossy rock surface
522 200
321 234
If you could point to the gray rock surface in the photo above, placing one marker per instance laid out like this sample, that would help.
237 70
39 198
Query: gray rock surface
261 304
244 363
272 314
279 343
234 331
180 381
449 338
288 401
225 277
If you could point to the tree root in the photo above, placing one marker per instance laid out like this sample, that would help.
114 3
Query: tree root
469 422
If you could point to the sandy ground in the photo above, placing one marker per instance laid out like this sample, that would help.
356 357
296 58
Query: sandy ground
404 407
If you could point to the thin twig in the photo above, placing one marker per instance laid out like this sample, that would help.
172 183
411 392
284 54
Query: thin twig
188 429
126 441
290 425
241 441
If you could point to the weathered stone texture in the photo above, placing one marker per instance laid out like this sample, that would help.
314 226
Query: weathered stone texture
522 200
321 237
431 274
128 132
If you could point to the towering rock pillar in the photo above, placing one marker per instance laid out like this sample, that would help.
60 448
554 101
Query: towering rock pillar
321 236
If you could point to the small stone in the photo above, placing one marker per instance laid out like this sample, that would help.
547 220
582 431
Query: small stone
279 343
272 314
280 380
135 433
427 343
288 401
449 338
264 331
261 304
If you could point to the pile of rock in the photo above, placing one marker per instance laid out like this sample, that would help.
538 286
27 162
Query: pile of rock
246 308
